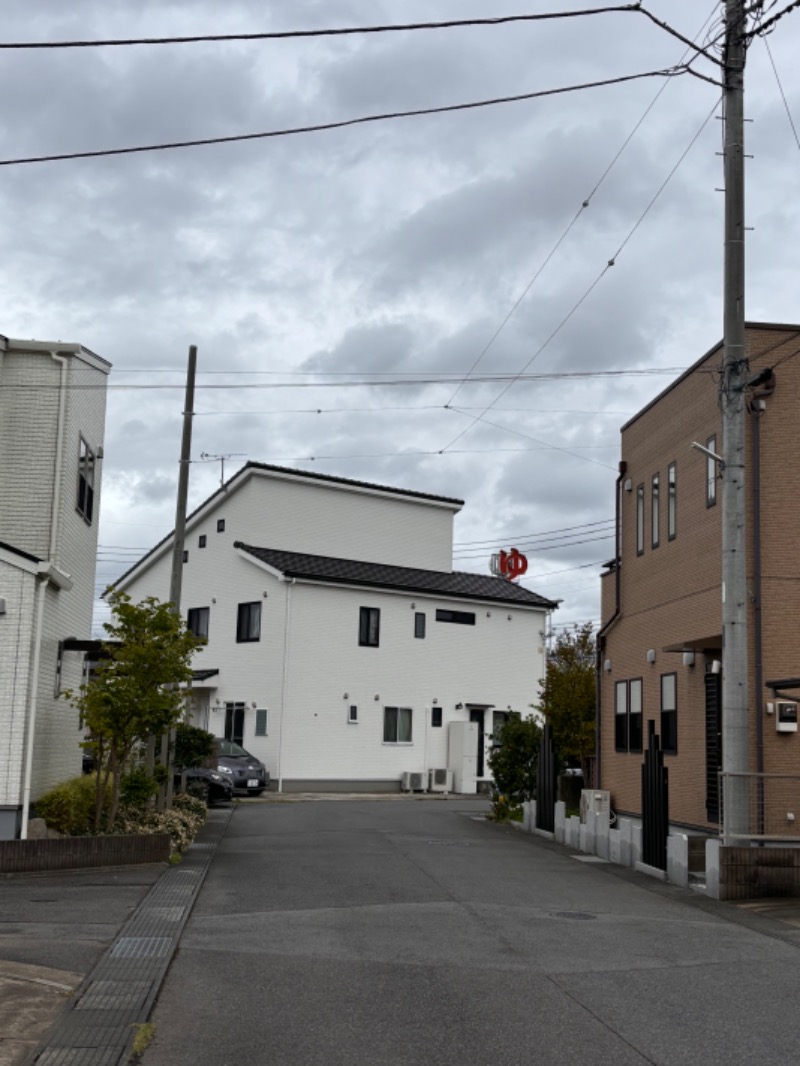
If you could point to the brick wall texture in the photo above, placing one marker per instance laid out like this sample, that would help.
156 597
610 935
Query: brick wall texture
670 592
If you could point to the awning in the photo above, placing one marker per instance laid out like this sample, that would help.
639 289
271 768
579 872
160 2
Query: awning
204 675
712 643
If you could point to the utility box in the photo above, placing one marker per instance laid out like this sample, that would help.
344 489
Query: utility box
785 717
462 756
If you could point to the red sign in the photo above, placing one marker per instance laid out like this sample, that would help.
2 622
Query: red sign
510 564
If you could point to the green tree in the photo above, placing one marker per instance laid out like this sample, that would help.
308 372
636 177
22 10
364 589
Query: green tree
133 693
568 694
193 746
514 759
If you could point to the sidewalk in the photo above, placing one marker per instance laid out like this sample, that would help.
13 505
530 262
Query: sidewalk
83 953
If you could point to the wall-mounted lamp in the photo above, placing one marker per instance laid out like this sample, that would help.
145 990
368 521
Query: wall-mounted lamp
716 667
488 614
607 666
346 696
253 704
413 606
434 701
628 486
459 706
651 655
377 697
688 658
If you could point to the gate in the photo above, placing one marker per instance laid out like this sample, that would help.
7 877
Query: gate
655 803
546 782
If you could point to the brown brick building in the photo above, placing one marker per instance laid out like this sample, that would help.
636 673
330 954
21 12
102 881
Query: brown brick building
661 640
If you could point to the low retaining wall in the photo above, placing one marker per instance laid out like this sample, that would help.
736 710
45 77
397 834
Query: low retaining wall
750 873
75 853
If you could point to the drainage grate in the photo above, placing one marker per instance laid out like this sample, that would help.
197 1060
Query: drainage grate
113 995
201 847
98 1056
163 914
142 947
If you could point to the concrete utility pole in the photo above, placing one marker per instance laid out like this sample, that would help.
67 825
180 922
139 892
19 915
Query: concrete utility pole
735 724
176 578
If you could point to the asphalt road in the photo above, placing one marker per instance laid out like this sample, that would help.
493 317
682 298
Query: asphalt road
350 933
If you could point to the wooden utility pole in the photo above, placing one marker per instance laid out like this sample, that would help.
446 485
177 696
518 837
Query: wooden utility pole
735 718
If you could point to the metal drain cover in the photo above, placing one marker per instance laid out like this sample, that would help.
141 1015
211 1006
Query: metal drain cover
141 947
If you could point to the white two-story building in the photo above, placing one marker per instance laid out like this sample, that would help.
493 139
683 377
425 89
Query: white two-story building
52 420
341 645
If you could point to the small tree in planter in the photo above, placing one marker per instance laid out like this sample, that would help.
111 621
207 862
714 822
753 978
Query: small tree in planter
133 693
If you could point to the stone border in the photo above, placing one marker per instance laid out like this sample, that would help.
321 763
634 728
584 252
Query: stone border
75 853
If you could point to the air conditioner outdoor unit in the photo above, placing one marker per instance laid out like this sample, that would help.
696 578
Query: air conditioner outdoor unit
597 800
440 780
412 781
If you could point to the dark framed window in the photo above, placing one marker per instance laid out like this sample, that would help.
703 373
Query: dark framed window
396 725
248 622
621 716
220 525
261 722
186 555
85 481
655 510
639 519
436 717
669 713
197 621
352 714
369 627
635 714
672 501
234 722
201 541
419 626
711 473
460 618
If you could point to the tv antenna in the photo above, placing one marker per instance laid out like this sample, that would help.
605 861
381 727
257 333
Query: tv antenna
222 458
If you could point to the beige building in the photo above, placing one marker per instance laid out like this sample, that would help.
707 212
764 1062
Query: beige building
660 646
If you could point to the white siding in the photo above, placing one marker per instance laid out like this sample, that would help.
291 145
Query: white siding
17 588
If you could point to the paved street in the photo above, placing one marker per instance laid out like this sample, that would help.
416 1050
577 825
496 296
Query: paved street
390 933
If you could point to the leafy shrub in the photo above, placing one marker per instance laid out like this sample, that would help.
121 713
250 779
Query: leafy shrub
193 746
504 810
137 788
182 822
514 761
69 807
181 801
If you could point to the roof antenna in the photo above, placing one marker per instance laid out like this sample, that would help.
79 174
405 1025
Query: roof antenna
222 458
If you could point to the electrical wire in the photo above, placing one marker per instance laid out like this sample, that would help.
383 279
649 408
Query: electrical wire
611 262
282 35
521 536
670 72
418 407
783 94
769 24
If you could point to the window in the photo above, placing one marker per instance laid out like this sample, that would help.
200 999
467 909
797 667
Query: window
197 621
85 481
635 715
201 541
396 725
669 714
460 618
711 473
621 716
261 722
186 555
655 516
436 717
220 525
672 491
352 714
234 722
419 626
369 627
248 622
639 519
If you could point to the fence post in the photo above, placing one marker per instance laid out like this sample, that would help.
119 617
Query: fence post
655 803
546 783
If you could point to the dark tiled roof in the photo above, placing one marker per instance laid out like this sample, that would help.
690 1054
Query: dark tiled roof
457 584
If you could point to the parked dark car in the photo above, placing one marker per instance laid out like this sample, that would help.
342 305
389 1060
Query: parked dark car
208 784
245 772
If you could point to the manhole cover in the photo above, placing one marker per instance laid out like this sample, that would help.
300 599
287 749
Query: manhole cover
575 916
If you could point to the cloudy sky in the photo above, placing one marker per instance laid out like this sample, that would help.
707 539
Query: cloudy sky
363 299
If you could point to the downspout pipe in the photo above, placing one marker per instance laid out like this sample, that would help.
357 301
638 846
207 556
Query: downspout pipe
59 458
285 679
604 629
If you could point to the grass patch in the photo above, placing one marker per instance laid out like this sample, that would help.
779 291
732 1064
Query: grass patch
145 1031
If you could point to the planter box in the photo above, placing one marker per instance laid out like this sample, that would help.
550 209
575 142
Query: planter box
76 853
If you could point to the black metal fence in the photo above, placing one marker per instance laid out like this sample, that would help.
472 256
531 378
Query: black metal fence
546 783
655 803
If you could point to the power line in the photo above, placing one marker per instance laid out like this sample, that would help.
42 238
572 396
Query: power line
763 27
417 407
522 536
282 35
611 262
542 548
783 94
669 72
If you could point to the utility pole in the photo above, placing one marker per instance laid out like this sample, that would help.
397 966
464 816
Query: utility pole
735 718
176 578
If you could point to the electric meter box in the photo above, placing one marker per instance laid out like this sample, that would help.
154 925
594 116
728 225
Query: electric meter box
786 717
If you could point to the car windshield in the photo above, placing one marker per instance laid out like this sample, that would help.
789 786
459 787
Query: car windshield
231 748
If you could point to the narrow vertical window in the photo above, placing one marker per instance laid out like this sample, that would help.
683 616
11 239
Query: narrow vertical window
635 715
639 519
621 716
419 626
234 722
711 473
655 511
220 525
436 717
201 541
669 713
197 621
85 481
369 627
672 501
261 722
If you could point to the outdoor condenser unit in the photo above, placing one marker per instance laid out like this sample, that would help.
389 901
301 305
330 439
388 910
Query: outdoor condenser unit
440 780
412 781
